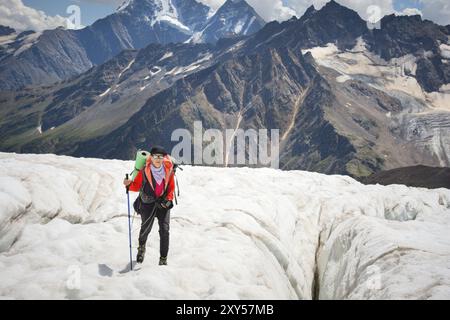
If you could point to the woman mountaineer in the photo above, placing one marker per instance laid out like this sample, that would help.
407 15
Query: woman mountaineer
156 186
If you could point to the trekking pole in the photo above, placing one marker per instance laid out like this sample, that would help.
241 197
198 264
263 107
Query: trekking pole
129 223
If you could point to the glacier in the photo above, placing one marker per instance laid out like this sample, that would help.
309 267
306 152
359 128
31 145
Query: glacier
237 233
425 116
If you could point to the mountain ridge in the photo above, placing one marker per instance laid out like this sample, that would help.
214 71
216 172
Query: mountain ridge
350 117
60 54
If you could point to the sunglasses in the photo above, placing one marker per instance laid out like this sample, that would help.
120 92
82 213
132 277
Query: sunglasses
157 156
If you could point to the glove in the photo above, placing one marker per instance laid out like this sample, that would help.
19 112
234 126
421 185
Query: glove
164 204
167 204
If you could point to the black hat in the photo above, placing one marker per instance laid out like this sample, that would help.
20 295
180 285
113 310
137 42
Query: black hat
158 150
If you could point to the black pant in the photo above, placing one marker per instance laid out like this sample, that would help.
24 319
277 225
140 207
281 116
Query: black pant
148 214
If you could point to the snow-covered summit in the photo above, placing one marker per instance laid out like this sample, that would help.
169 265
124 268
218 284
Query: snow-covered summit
233 18
184 15
64 234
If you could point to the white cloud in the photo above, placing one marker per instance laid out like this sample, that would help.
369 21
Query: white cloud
410 12
271 10
15 14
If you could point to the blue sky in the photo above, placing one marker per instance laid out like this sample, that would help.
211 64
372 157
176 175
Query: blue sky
400 5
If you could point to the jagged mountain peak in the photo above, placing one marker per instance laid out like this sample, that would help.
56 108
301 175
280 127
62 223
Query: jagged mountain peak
311 9
234 3
240 5
131 6
333 9
393 17
333 14
333 23
409 24
233 18
335 5
186 15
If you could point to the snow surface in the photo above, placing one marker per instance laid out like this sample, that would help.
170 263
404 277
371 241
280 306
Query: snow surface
250 23
174 22
236 46
164 11
343 78
235 22
168 13
211 12
192 67
445 51
167 55
196 38
64 235
106 92
240 25
4 40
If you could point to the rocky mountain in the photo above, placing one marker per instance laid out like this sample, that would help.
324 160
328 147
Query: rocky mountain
5 30
42 57
60 54
424 40
402 35
98 100
331 24
256 90
234 18
339 105
418 177
399 36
